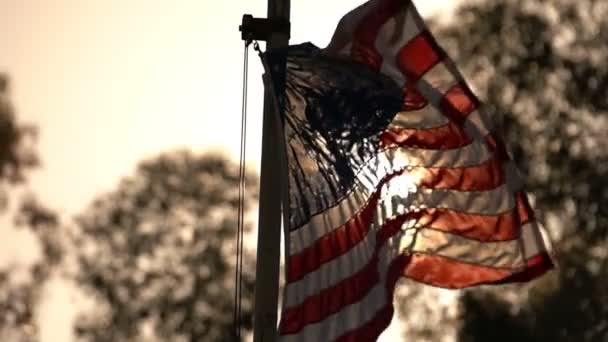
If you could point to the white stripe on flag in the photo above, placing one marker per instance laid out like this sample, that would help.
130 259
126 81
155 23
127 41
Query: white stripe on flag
436 82
477 125
424 118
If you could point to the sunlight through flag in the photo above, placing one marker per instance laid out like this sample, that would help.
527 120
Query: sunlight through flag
394 170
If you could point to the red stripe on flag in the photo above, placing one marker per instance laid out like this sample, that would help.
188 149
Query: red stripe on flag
448 136
348 291
447 273
334 244
458 103
412 98
418 56
486 228
331 300
372 329
440 271
486 176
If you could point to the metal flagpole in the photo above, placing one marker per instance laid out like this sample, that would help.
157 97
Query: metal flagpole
275 31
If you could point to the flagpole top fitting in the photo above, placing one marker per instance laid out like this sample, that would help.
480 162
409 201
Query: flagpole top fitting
262 28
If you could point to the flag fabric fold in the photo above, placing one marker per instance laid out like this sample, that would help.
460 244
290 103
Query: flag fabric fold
394 170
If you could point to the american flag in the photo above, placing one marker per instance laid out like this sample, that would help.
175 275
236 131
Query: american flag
394 170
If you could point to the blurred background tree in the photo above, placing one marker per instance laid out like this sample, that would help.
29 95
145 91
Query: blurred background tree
541 68
17 153
157 254
21 285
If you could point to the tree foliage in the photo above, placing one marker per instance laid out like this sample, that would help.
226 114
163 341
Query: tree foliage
540 67
157 254
19 297
17 154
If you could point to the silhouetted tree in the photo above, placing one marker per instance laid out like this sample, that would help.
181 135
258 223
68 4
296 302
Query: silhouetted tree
157 254
17 154
541 68
19 299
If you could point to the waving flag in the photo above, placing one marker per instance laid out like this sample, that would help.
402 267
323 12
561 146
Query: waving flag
395 170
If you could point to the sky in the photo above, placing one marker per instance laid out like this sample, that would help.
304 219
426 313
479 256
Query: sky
111 82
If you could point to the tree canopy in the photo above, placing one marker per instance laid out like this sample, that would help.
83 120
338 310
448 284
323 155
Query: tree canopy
18 156
157 253
17 153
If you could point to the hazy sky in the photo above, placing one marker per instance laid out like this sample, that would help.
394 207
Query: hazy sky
110 82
